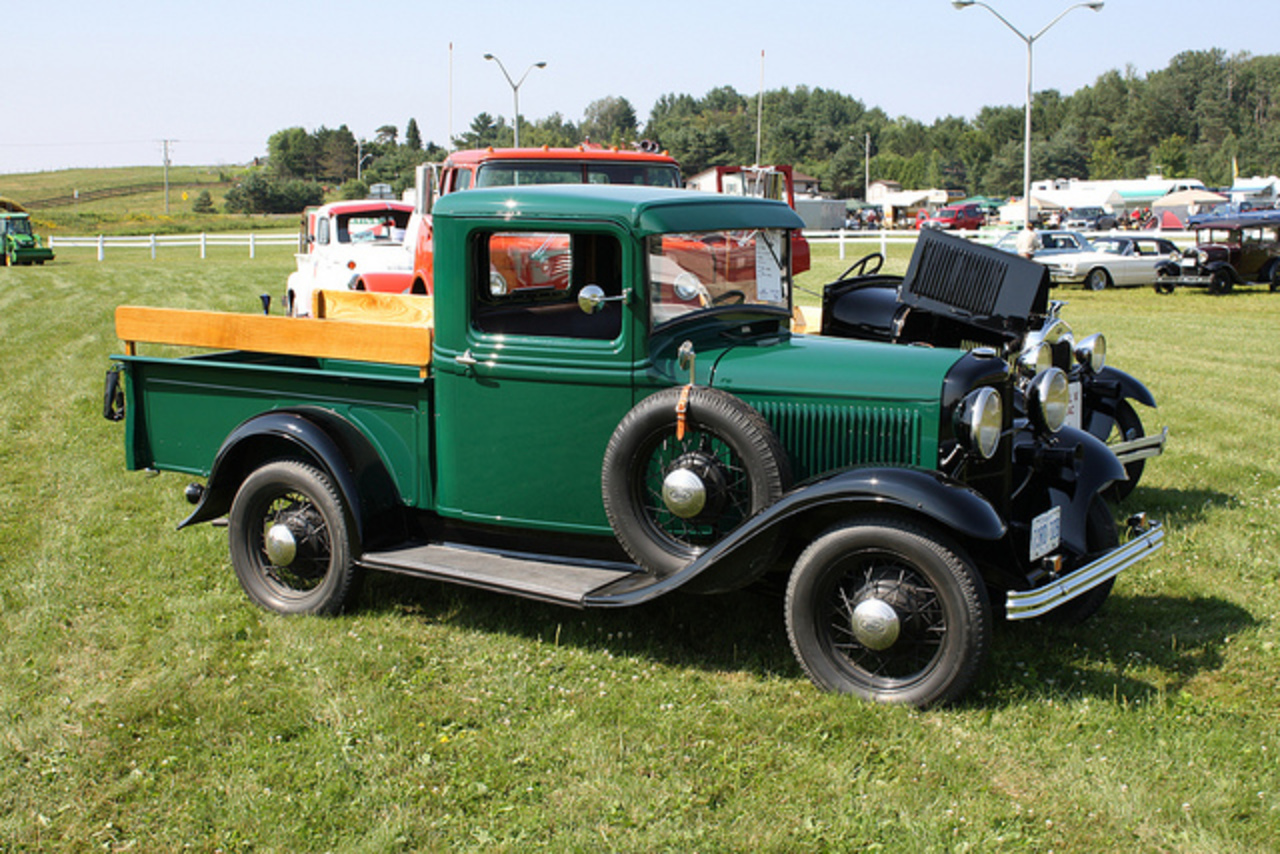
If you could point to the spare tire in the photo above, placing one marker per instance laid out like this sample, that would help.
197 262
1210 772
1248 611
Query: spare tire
668 499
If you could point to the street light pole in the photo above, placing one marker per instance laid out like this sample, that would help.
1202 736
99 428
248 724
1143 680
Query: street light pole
1096 5
515 88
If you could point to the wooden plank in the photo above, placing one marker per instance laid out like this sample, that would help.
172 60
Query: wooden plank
363 341
372 306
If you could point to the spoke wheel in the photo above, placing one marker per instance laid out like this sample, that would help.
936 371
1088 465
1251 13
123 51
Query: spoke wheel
887 611
1125 427
290 540
669 497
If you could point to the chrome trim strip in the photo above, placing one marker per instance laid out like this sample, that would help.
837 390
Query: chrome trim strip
1140 449
1024 604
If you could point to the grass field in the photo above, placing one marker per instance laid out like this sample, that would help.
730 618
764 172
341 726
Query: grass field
145 705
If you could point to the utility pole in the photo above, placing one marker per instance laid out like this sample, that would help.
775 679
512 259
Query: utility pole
166 143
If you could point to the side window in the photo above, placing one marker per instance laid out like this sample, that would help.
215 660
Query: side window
527 283
322 231
462 179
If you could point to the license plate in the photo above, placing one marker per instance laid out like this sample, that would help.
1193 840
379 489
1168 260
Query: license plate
1046 531
1075 405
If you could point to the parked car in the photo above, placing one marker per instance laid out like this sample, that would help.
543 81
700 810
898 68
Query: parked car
1229 251
1113 261
1052 242
1088 218
353 245
966 217
961 294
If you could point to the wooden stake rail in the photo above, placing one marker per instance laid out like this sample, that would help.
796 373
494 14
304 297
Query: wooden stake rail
394 343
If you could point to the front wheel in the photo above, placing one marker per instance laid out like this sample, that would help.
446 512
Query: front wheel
1125 427
887 611
1097 280
1163 286
1220 282
290 540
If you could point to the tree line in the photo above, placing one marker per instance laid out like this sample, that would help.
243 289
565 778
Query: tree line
1205 115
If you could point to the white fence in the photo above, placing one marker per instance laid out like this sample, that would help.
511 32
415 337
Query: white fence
155 242
882 239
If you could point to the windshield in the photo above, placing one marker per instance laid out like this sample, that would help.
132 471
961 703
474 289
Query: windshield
1103 244
375 226
550 172
700 271
18 225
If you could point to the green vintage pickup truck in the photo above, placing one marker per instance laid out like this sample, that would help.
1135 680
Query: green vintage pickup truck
604 402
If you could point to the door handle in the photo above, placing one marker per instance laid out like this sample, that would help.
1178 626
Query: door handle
466 359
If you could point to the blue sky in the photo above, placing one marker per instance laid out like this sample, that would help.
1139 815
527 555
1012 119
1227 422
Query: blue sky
102 84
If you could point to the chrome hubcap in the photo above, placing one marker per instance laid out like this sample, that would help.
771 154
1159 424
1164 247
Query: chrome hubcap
684 493
280 545
875 624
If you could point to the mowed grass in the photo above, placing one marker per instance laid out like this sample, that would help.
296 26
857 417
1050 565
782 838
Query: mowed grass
146 705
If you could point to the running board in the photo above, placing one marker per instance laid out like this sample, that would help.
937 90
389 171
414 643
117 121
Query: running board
562 581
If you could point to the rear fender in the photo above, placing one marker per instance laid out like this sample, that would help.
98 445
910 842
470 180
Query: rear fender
319 436
387 283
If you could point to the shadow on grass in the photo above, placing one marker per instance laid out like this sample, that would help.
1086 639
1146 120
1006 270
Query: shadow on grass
740 631
1176 508
1138 648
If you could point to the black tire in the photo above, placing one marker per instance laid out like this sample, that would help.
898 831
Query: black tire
936 601
1101 536
1274 277
1125 427
1163 286
1097 280
727 445
321 575
1219 282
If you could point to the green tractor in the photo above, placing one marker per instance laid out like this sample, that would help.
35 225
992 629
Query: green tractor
18 245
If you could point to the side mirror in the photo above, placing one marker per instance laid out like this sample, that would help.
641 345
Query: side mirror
591 299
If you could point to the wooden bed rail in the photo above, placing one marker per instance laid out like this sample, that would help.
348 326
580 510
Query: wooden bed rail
363 340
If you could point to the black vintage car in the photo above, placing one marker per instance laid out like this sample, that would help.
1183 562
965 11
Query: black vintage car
957 293
1230 250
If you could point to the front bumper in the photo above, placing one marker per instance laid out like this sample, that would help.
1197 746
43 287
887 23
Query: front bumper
1024 604
1065 277
1140 449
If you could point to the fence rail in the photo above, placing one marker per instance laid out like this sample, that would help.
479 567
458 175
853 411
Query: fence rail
842 237
154 242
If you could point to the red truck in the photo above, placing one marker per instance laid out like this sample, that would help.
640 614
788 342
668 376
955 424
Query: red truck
587 163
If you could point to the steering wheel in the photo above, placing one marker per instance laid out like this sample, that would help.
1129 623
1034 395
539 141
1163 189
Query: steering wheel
737 296
874 261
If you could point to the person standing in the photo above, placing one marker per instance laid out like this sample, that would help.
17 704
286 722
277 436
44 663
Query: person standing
1028 241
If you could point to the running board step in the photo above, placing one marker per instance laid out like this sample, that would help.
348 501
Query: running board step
530 576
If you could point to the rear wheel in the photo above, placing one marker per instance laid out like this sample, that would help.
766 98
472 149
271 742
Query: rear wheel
1097 280
290 540
1274 278
887 611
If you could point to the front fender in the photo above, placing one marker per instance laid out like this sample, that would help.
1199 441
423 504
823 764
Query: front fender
963 512
1128 385
1096 469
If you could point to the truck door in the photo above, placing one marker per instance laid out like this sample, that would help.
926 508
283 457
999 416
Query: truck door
529 395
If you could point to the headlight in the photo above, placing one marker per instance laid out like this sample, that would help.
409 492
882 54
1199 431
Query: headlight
979 421
1092 352
1035 357
1202 256
1048 398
